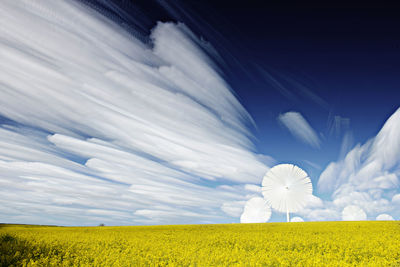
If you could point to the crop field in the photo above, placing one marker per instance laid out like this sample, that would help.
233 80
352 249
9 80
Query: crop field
270 244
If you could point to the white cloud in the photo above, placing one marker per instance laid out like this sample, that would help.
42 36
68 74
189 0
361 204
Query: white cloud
384 217
300 128
233 208
353 213
252 188
319 210
323 214
368 176
347 144
256 210
314 202
107 128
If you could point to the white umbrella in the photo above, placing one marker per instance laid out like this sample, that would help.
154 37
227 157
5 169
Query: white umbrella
297 219
256 210
286 188
384 217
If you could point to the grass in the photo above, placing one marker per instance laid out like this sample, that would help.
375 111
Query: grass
367 243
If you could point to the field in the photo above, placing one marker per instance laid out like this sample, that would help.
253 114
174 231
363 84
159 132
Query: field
271 244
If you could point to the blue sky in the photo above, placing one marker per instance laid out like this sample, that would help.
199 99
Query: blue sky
331 62
170 112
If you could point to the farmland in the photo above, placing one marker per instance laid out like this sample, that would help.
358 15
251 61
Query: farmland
366 243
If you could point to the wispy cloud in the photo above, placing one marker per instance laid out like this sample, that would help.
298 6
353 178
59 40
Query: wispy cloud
276 84
306 92
338 125
106 128
291 88
300 128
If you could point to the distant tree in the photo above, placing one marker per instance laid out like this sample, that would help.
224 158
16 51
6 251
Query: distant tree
102 224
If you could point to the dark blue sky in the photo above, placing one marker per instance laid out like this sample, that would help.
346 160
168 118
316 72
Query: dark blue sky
323 62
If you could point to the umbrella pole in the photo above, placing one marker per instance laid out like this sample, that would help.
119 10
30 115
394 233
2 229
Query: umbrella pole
287 215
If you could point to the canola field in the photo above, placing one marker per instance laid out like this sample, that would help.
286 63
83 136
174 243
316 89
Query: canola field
269 244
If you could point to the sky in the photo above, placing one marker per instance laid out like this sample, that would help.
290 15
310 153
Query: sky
171 112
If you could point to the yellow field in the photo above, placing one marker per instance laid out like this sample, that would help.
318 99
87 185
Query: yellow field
269 244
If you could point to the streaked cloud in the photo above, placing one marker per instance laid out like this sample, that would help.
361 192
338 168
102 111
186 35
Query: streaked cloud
291 88
347 144
233 208
300 128
276 84
103 128
305 91
368 175
338 125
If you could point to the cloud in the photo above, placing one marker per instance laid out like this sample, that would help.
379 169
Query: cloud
303 90
233 208
312 164
314 202
347 144
252 188
384 217
276 84
323 214
256 210
300 128
291 88
368 176
353 213
102 127
317 209
338 125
